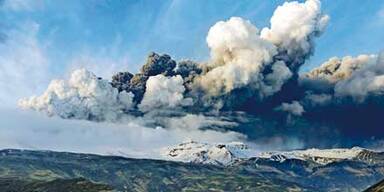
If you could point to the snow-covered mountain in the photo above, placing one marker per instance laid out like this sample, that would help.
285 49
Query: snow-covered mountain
321 156
227 154
325 156
218 154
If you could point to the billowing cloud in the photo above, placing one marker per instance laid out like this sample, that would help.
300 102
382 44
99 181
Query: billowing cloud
260 64
244 66
276 79
238 56
136 83
369 80
294 25
347 94
356 77
336 69
83 96
164 92
250 79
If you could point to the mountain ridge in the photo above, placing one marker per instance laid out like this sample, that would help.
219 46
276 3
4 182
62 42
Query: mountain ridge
253 174
229 153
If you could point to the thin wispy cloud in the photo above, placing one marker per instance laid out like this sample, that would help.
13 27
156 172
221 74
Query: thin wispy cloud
24 64
22 5
380 14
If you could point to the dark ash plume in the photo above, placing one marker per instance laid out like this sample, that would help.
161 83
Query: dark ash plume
251 80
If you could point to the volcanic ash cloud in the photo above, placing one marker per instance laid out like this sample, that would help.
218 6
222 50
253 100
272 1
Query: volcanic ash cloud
82 96
245 64
250 70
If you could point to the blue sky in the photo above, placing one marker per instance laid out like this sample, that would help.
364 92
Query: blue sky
55 36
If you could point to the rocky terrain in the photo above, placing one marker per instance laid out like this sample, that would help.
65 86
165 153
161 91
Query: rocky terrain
211 168
124 174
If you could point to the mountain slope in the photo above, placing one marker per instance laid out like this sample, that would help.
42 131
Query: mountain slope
125 174
253 174
56 185
229 153
326 156
215 154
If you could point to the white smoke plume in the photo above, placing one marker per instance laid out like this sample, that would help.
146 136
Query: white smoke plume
83 96
238 55
275 80
294 108
294 24
164 92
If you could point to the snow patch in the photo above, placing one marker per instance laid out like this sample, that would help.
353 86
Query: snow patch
227 154
321 156
216 154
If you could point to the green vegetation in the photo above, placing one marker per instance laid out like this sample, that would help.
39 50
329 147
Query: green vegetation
56 185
